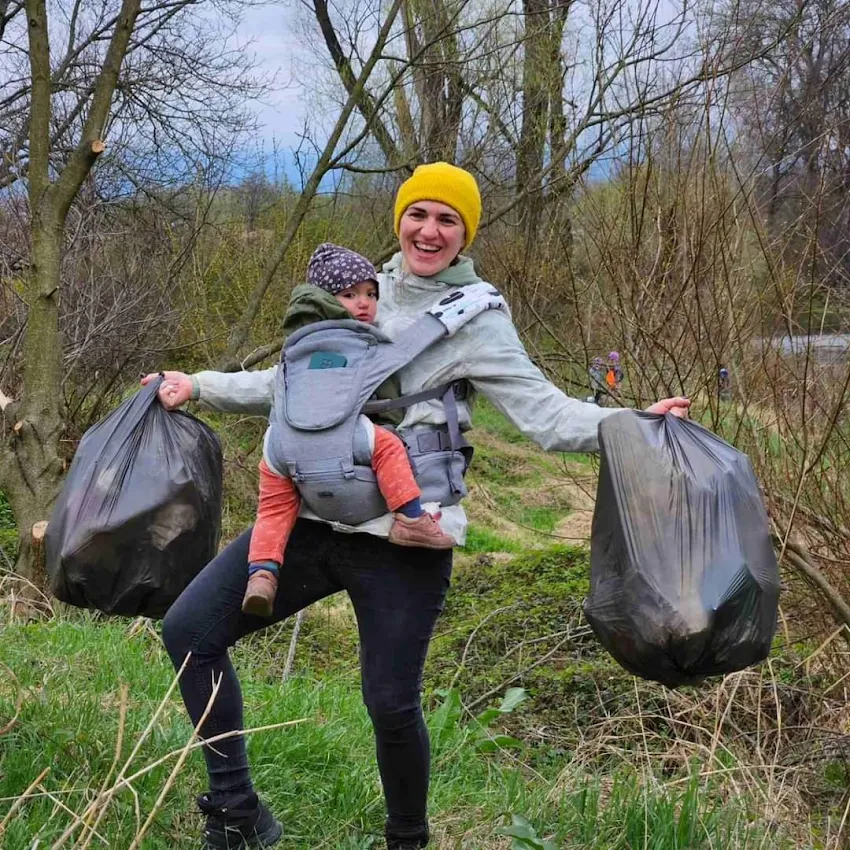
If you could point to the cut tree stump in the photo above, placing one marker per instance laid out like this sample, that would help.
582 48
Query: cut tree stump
30 602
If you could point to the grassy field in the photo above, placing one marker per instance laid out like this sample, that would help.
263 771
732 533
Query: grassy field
319 774
539 739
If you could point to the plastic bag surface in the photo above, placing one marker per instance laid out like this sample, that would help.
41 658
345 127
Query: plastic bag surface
140 512
684 582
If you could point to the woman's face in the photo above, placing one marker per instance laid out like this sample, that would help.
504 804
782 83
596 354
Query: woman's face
431 236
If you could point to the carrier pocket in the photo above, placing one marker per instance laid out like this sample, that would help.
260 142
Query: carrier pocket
321 398
352 500
440 476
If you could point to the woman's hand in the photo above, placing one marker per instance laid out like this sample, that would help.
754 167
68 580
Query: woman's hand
678 406
175 390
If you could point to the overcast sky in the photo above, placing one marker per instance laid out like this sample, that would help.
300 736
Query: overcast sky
266 33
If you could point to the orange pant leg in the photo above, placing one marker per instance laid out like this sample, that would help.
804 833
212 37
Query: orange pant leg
392 469
276 514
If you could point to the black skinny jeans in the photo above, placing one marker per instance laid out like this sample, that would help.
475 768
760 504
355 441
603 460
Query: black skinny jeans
397 594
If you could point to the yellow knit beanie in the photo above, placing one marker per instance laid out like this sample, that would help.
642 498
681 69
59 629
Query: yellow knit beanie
448 184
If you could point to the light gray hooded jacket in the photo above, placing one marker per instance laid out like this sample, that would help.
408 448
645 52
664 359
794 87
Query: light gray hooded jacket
487 353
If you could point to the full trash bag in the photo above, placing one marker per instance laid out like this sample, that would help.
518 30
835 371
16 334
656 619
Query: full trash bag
140 512
684 582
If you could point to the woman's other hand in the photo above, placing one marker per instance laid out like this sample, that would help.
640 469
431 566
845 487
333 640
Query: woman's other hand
678 406
176 388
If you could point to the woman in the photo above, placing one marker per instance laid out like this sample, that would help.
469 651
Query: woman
397 594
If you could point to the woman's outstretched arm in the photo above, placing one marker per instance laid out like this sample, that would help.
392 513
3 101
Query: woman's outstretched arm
230 392
498 366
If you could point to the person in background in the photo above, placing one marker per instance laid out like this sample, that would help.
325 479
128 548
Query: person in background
614 373
597 372
724 384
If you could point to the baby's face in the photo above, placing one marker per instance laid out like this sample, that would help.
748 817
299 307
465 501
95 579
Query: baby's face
361 300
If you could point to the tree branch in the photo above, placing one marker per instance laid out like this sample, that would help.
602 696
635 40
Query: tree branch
243 327
365 101
39 55
89 147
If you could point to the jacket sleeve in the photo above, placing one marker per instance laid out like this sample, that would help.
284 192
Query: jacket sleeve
237 392
499 367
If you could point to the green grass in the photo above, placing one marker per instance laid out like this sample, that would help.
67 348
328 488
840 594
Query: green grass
319 776
480 539
8 532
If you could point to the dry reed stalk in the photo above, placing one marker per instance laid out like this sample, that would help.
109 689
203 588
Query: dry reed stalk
119 744
293 643
19 802
19 701
147 730
177 767
68 810
125 781
234 733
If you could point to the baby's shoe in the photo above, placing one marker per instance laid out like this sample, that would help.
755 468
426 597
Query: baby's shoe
424 532
260 593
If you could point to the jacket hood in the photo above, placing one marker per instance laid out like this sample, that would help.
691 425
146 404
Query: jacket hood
309 304
462 273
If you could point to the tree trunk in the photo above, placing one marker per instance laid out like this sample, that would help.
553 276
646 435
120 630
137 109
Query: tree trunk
535 100
30 466
32 477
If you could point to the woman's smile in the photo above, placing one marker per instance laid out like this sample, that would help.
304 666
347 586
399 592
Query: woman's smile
431 235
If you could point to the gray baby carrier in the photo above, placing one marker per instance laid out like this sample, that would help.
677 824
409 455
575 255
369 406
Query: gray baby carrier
328 372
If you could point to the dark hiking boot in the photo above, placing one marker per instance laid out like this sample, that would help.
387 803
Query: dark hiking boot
238 822
409 842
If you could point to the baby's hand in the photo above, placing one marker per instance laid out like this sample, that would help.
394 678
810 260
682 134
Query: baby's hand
463 305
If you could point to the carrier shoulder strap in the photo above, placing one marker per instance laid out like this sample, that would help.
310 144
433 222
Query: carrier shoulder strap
445 392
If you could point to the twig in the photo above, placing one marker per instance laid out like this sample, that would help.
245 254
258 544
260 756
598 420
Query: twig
471 637
293 642
541 660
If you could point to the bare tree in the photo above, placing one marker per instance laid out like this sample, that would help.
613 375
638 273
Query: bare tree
104 71
31 468
794 104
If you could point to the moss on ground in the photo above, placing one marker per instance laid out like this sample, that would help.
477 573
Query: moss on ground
518 622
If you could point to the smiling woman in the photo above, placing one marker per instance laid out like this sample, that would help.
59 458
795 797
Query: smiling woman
431 235
436 216
397 593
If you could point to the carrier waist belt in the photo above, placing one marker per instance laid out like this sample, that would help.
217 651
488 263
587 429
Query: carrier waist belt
435 440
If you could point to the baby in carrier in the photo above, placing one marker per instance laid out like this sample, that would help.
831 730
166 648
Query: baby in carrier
341 284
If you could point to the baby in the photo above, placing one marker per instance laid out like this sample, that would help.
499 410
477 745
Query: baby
340 285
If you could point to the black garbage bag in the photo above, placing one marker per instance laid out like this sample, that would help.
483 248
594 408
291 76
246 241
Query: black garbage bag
684 582
140 512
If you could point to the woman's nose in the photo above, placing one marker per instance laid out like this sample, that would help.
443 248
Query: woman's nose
429 227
